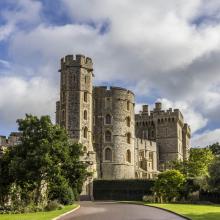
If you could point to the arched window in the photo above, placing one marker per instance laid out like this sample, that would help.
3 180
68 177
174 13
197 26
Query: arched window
85 132
85 149
128 156
85 96
85 115
108 136
108 119
108 154
128 138
63 115
128 105
128 121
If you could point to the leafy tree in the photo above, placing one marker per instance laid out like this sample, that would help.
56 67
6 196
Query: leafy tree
197 165
215 148
169 185
214 179
199 161
44 162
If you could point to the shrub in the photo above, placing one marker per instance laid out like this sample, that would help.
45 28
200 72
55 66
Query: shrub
53 205
148 198
63 194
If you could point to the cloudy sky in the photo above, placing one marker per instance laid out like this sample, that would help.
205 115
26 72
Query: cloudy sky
162 50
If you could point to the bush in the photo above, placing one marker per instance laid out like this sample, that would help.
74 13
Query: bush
148 198
53 205
63 194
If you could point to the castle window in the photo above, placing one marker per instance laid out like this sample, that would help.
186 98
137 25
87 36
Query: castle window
84 149
128 105
85 132
128 121
128 156
85 96
108 136
108 154
158 121
128 138
152 134
63 115
85 115
85 79
108 119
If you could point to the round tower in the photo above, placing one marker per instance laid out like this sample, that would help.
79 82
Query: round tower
114 126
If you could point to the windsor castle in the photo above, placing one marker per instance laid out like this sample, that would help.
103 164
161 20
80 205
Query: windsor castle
117 143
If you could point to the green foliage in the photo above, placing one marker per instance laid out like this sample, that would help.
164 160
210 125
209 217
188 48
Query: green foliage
197 165
169 185
62 193
44 162
215 148
199 161
53 205
214 179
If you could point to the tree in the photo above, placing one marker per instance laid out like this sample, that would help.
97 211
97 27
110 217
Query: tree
199 161
215 148
45 162
214 172
169 185
197 165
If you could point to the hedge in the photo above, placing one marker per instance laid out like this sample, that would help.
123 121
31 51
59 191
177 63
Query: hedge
133 189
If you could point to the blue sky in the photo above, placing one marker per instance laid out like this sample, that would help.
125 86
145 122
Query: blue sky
162 50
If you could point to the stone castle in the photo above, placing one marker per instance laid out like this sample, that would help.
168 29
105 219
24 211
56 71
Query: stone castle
117 143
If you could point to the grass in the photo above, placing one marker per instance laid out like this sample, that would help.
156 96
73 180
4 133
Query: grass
195 212
37 215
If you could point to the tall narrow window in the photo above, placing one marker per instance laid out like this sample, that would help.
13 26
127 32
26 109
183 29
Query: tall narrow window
85 132
128 121
85 115
108 154
128 138
108 119
128 105
128 156
85 96
108 136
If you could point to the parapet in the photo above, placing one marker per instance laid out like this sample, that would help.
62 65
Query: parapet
112 89
77 61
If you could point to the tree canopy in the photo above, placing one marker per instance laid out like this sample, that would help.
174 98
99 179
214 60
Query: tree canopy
44 166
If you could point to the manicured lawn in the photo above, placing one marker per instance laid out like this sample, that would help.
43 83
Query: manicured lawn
195 212
37 215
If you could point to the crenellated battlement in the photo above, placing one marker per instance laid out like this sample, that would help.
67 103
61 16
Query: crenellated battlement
113 89
159 112
77 61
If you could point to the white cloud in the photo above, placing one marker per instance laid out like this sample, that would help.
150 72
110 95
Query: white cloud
206 138
150 45
193 117
19 96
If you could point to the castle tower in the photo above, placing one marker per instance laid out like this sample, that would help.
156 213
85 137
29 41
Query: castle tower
74 110
167 128
114 129
75 106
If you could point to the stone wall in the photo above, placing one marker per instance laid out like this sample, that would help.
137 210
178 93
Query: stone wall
166 128
118 105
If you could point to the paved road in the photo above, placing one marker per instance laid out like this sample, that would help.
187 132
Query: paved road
117 211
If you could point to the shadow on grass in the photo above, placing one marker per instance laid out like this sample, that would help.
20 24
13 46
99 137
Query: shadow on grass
206 216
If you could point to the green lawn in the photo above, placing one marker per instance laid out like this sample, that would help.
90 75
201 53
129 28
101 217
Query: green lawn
37 215
195 212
